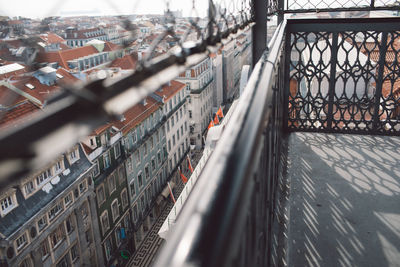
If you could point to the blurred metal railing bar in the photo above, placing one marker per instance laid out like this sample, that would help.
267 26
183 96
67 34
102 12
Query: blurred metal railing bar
19 151
259 31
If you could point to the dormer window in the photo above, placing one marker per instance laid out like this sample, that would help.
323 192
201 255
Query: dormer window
43 177
29 187
7 204
73 155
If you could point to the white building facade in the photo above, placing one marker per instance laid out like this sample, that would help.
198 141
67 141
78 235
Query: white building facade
198 80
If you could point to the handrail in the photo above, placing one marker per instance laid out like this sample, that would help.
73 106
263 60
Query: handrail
217 207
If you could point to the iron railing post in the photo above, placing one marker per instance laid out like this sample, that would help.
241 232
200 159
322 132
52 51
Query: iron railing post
332 80
259 30
281 10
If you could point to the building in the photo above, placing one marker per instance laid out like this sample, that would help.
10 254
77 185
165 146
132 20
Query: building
175 109
198 80
104 148
49 218
143 132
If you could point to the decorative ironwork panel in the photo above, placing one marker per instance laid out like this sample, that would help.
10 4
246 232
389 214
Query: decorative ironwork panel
343 81
389 108
312 5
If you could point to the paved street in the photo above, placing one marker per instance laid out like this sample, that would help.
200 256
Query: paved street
147 250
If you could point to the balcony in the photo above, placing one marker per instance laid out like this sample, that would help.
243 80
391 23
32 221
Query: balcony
308 175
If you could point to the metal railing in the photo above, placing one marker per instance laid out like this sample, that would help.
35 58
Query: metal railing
343 76
227 220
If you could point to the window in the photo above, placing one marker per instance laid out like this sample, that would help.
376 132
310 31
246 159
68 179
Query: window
44 249
142 203
73 155
29 187
157 137
108 248
169 145
43 177
121 174
42 223
58 167
57 236
118 235
104 222
159 157
106 159
153 164
172 121
64 262
69 224
190 114
55 211
177 134
88 235
182 130
151 143
129 165
124 198
111 183
140 179
168 126
100 195
134 136
115 210
117 150
26 263
82 187
133 190
84 210
74 253
137 153
177 117
96 170
135 213
185 126
145 149
173 140
21 241
146 171
180 111
68 199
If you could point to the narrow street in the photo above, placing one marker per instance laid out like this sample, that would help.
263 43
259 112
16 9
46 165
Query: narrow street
147 250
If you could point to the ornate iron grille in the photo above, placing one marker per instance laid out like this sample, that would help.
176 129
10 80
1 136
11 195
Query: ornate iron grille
344 77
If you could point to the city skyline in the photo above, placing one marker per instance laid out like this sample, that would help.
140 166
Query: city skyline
43 8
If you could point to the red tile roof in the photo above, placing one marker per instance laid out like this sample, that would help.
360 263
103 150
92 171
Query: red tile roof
52 38
127 62
136 114
63 56
169 90
108 46
18 114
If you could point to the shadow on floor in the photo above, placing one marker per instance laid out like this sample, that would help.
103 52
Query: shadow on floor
344 200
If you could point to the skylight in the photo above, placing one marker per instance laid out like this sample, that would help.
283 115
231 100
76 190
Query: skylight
30 86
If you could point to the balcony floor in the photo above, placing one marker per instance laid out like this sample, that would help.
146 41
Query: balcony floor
344 201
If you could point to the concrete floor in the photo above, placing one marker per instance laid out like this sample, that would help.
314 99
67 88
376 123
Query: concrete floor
344 202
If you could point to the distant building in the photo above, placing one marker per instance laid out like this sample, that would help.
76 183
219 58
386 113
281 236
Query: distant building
177 122
198 81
